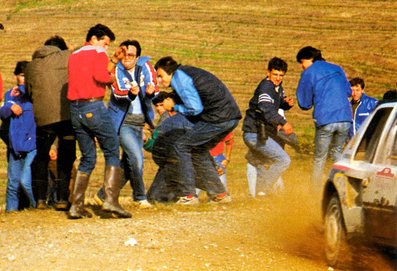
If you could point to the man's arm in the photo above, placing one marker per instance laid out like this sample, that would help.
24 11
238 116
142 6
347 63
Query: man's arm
305 93
184 87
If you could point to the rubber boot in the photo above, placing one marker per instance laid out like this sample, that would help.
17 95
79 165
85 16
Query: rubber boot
80 186
112 192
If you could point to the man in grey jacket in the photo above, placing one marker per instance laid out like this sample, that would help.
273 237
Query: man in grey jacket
46 81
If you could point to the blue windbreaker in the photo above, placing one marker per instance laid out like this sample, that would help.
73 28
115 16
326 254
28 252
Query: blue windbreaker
325 86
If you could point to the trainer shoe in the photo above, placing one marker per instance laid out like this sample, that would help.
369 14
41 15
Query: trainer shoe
144 204
188 200
222 198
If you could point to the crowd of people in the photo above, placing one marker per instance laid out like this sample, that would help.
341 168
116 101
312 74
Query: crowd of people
58 102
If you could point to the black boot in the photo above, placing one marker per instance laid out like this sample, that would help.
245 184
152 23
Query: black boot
62 203
112 192
77 209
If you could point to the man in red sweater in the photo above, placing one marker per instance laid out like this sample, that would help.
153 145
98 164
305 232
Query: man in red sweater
89 74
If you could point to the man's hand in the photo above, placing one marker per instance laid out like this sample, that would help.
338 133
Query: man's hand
16 109
119 53
134 88
289 101
287 127
150 89
15 92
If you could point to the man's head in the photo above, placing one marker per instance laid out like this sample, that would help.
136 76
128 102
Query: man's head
390 95
162 102
307 56
276 70
133 51
19 72
165 68
357 85
57 41
100 35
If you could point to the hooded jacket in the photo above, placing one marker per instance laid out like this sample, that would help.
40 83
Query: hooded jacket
22 129
46 79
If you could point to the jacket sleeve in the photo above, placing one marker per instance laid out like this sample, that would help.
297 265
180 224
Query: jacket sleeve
118 93
184 87
5 110
149 77
305 92
267 107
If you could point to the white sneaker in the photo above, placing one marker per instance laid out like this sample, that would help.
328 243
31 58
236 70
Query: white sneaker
188 200
144 204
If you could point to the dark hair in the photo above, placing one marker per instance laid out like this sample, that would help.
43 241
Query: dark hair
168 64
161 96
134 43
390 95
309 52
357 81
57 41
20 67
100 31
277 64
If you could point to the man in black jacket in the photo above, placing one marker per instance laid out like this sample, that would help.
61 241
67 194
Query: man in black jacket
262 121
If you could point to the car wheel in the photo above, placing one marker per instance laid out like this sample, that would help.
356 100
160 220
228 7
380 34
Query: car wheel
336 246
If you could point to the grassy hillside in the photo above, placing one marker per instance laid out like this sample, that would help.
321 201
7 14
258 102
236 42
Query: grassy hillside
233 39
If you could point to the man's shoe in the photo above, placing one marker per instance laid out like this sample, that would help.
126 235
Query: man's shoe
41 204
62 205
222 198
188 200
144 204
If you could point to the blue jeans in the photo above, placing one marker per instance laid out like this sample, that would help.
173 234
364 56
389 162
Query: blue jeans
192 150
19 174
131 140
91 120
328 138
271 152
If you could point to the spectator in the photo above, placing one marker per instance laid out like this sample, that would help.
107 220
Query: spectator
262 121
165 185
208 103
130 107
18 110
47 84
362 105
89 74
324 85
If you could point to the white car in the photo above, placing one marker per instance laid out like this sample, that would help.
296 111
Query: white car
360 194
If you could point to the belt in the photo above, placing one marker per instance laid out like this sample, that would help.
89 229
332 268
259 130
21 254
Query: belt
89 100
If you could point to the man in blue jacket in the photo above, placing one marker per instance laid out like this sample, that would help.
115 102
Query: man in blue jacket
130 108
324 85
362 104
208 103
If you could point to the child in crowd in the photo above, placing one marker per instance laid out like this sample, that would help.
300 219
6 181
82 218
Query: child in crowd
17 110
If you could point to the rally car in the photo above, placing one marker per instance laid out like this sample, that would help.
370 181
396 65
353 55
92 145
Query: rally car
360 195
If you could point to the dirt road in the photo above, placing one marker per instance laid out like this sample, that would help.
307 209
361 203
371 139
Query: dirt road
275 233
